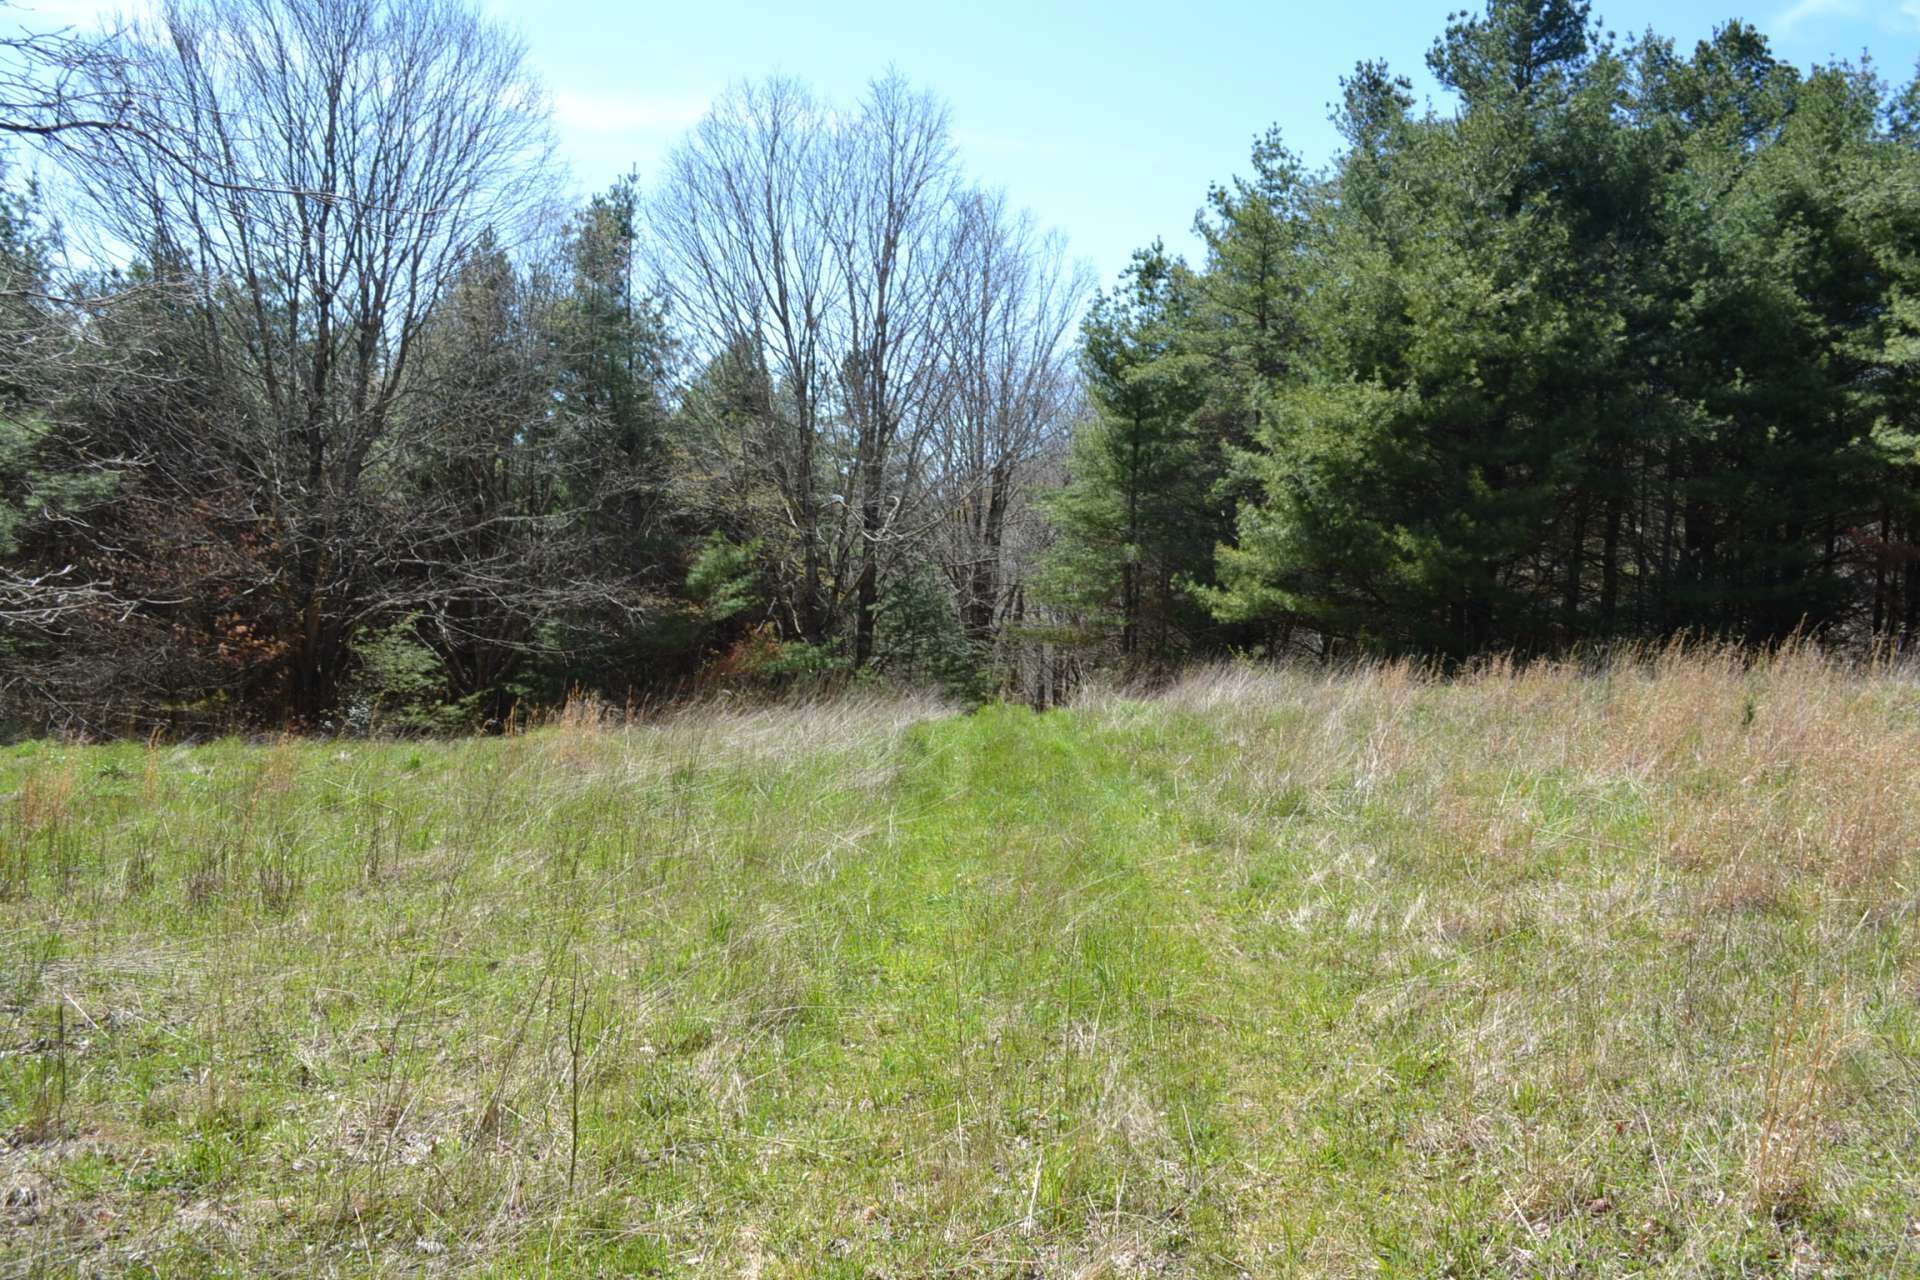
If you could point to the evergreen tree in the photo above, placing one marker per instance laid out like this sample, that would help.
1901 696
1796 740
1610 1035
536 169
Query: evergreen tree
1133 517
1620 347
1418 467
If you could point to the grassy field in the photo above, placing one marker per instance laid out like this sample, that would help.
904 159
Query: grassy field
1527 973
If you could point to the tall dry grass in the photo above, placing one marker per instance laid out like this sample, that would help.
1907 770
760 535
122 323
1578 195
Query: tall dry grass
1791 761
1689 827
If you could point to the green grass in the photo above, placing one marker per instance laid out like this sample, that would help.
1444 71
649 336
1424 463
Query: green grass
1532 974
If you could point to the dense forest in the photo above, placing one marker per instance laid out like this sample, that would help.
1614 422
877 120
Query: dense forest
323 406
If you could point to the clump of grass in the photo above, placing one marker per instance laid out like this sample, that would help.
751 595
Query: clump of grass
38 828
1541 969
1801 1058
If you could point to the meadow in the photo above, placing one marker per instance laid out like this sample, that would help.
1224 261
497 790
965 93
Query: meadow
1534 971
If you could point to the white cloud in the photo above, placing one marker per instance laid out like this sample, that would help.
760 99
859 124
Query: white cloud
1801 10
615 112
1898 16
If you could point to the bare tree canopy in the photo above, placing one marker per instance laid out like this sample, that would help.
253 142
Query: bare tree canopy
840 256
1011 400
49 82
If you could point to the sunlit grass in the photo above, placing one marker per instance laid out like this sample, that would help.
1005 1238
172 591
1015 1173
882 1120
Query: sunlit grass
1530 972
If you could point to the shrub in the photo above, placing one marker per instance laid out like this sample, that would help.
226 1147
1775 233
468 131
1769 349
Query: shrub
401 685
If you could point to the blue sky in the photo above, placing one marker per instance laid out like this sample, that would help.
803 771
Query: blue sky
1108 120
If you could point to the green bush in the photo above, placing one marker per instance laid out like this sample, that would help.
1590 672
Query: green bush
720 581
918 640
401 685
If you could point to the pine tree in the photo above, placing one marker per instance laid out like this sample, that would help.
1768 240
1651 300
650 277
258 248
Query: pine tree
1624 346
1451 374
1133 517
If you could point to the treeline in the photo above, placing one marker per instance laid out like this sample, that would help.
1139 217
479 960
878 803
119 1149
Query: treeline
1621 347
364 425
320 406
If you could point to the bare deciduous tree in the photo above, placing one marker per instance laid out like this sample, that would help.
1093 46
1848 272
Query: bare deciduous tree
891 343
50 82
1006 338
746 259
891 210
317 171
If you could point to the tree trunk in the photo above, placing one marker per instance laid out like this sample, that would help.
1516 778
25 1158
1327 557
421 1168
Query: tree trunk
1576 553
1610 568
872 526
